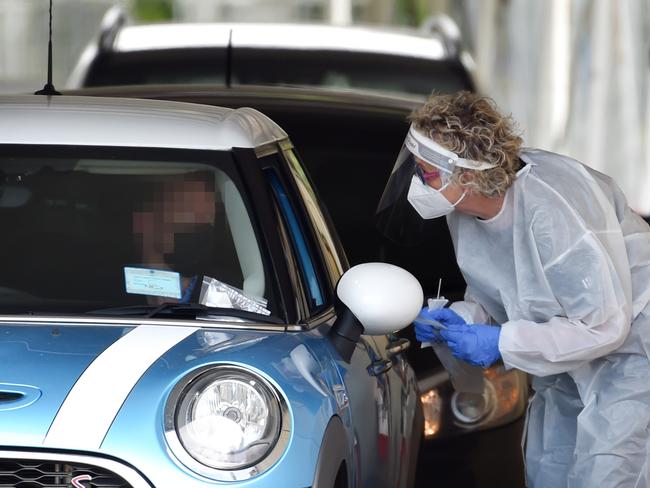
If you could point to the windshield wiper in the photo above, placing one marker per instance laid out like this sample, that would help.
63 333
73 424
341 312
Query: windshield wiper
183 310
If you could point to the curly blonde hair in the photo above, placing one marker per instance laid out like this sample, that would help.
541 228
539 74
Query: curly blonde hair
470 125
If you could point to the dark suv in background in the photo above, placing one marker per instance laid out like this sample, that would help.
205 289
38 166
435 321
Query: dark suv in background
398 61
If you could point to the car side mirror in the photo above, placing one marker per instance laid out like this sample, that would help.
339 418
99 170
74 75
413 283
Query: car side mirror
375 299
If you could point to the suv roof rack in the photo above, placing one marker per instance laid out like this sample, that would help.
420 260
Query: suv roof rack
113 20
447 29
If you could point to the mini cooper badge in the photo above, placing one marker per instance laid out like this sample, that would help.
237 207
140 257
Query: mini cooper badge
76 481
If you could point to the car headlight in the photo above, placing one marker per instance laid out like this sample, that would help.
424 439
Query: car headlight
470 408
226 422
447 412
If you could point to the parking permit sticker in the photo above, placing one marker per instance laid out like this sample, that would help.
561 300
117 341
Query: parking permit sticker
153 282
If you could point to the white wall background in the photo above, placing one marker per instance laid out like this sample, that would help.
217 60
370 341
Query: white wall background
575 74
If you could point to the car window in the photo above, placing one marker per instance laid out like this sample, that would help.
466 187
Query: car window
371 71
79 230
175 66
250 66
331 253
296 231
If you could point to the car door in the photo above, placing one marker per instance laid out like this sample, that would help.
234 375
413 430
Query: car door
403 429
376 390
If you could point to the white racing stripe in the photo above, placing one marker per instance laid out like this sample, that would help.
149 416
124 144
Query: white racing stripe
93 402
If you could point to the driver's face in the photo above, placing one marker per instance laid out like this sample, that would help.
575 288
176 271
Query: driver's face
189 202
178 207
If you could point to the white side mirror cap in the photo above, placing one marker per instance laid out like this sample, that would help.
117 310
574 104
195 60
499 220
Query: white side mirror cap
383 297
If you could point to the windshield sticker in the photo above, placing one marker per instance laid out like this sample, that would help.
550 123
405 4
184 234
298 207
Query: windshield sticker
152 282
215 293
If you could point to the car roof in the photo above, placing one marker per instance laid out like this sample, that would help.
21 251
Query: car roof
279 36
94 121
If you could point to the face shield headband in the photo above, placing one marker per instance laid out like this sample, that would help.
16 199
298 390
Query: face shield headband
433 153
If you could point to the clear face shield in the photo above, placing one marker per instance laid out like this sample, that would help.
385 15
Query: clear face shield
408 200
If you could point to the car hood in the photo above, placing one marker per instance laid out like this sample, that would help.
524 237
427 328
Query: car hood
102 388
53 373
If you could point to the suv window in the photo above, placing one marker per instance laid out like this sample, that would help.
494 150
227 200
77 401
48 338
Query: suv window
372 71
74 222
256 66
175 66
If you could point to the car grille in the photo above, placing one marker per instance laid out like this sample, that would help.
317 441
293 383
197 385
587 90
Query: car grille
27 473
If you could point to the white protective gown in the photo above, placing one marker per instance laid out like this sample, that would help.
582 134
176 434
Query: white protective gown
565 269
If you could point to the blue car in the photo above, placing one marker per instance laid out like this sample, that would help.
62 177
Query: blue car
176 309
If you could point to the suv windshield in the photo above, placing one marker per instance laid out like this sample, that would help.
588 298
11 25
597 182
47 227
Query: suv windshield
134 227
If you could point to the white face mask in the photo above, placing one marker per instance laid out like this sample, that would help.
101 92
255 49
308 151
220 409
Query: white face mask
428 202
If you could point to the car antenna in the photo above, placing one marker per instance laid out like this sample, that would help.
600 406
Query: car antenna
49 89
229 60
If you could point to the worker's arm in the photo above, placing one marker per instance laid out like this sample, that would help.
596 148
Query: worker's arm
593 291
470 310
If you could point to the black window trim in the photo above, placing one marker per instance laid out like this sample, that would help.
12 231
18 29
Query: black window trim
312 247
338 246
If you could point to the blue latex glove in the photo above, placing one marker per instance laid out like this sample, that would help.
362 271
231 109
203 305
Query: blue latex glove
427 332
446 316
478 344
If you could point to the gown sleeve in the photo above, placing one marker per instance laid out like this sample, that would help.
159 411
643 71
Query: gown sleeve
588 275
470 310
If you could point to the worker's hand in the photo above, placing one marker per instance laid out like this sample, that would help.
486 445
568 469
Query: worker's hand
478 344
426 332
426 329
446 316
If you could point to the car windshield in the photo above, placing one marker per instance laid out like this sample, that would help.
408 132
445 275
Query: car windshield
366 71
132 229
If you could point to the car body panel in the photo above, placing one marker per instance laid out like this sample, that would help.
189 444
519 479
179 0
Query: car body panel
252 35
312 396
63 121
50 358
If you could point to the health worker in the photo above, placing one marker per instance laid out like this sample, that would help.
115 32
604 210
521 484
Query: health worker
557 268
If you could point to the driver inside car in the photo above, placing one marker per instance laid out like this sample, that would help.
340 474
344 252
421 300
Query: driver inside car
174 229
